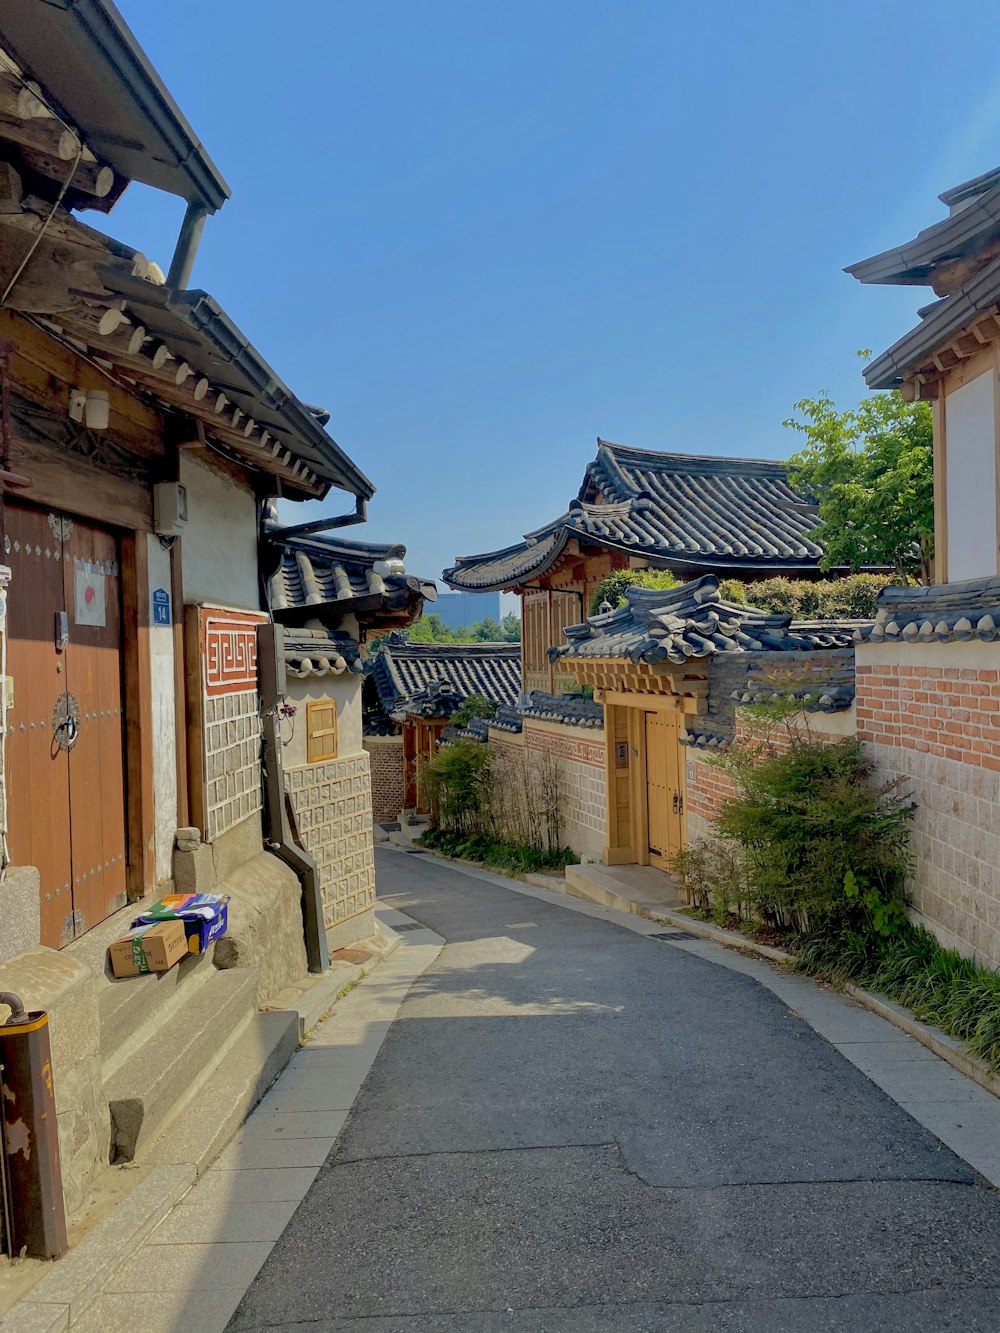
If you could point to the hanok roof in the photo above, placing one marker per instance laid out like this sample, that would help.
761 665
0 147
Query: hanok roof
91 66
674 510
401 670
938 613
693 621
183 350
319 652
934 253
959 258
324 576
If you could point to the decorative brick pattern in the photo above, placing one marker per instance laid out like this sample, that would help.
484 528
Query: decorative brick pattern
229 651
385 757
939 727
333 810
232 760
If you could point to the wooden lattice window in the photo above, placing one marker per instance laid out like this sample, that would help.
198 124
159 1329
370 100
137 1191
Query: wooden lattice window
321 732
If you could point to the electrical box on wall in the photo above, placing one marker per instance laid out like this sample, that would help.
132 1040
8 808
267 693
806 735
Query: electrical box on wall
170 508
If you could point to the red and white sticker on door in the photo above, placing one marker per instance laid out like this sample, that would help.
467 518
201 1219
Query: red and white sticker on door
90 600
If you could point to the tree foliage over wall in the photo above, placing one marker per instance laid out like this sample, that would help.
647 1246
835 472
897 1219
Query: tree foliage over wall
870 469
851 598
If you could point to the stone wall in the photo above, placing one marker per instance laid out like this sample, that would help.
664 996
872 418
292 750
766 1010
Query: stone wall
579 756
332 804
385 758
931 713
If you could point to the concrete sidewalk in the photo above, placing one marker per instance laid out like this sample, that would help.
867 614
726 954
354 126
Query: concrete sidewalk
189 1276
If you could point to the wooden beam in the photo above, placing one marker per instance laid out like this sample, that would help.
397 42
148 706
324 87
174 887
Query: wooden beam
141 822
180 682
196 783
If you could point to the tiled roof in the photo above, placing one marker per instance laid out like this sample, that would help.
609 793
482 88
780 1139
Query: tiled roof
332 577
693 621
940 613
318 652
401 670
674 510
572 710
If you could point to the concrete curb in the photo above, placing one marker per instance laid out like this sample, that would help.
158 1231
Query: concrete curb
61 1296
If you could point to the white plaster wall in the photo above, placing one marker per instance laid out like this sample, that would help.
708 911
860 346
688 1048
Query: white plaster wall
970 452
345 692
161 656
219 545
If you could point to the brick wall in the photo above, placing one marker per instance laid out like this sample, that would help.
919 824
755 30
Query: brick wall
931 714
385 755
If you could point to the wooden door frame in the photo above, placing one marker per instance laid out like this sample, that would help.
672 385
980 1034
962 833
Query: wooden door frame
636 706
140 811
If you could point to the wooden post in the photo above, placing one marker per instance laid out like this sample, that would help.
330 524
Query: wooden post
138 716
180 684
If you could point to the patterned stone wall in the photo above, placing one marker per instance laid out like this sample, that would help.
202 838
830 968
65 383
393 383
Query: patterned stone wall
385 756
579 753
230 716
333 810
931 713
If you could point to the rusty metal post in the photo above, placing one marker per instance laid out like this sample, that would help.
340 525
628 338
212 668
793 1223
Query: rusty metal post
36 1216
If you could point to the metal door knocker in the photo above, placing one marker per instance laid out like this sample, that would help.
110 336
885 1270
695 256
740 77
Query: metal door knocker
66 722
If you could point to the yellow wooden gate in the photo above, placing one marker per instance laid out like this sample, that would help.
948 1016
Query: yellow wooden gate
664 789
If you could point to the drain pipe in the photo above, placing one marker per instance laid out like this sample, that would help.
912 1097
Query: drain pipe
187 245
34 1210
271 682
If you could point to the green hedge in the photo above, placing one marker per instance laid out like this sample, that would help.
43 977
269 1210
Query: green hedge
851 598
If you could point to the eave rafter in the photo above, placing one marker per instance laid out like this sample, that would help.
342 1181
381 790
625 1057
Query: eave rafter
115 338
686 684
924 384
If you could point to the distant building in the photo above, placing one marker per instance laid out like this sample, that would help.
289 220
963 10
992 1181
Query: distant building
461 609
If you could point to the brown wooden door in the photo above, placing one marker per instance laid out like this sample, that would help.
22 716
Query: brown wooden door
664 789
66 785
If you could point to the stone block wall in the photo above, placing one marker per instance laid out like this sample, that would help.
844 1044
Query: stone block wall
579 756
385 757
333 810
931 713
232 760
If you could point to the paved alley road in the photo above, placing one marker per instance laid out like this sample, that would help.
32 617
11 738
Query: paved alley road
572 1127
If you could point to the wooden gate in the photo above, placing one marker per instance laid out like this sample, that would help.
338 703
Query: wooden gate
664 789
65 756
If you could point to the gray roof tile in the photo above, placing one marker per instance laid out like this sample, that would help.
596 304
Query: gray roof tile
402 670
693 621
674 510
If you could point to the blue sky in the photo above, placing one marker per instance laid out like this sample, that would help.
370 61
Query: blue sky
485 234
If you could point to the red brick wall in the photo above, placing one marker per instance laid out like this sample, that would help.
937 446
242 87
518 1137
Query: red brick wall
953 712
713 786
385 754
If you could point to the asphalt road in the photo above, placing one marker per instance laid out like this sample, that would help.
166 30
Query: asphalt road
571 1127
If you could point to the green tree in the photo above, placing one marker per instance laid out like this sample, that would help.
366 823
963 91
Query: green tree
870 469
612 588
510 628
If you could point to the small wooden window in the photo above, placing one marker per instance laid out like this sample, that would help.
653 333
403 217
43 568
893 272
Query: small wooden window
321 732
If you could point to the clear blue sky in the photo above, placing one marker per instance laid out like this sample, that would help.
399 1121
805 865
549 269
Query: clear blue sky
484 234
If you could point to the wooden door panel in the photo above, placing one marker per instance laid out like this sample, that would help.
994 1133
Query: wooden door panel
96 764
663 788
38 770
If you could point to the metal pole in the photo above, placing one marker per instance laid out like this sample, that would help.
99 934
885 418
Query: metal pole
187 245
36 1215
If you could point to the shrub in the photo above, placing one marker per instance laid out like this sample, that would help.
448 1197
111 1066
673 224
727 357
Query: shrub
500 855
715 878
476 705
457 785
852 598
825 844
612 588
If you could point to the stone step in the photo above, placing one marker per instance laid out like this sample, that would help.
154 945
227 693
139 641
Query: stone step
640 890
128 1005
199 1128
143 1091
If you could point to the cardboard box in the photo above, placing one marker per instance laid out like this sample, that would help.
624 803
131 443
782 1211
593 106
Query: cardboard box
205 916
148 948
